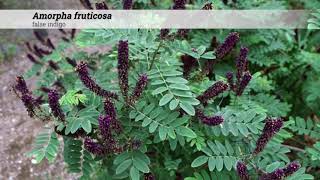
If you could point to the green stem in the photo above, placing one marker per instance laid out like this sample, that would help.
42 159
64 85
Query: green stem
154 55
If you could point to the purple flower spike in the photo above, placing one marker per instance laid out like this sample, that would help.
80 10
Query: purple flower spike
90 83
94 147
164 33
229 76
210 121
241 62
110 110
271 127
29 103
127 4
149 176
50 44
291 168
242 171
21 85
227 45
53 65
72 62
188 63
101 6
179 4
53 98
207 6
213 91
123 67
86 4
275 175
243 83
105 126
140 86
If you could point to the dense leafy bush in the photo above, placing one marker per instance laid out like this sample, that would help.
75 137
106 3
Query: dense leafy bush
160 104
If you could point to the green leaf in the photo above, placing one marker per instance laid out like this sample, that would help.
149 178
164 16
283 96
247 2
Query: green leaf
165 99
134 173
187 132
173 104
211 163
188 108
86 125
123 166
208 55
140 165
199 161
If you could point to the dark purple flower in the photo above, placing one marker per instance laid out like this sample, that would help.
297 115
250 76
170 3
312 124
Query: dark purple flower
38 36
39 100
188 63
32 59
149 176
127 4
271 127
110 110
291 168
135 144
63 31
229 43
29 103
50 44
214 43
37 52
53 98
86 4
164 33
183 33
210 121
58 84
94 147
90 83
123 67
242 171
275 175
65 39
229 76
179 4
101 5
213 91
241 62
53 65
21 85
207 6
29 46
243 83
73 33
105 127
138 89
72 62
44 52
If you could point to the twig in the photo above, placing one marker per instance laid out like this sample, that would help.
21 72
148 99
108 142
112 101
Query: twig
294 148
154 55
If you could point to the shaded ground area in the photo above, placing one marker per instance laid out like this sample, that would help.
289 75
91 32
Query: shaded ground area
17 130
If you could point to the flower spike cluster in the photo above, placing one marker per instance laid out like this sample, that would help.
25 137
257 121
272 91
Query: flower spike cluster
227 45
127 4
213 91
86 4
189 63
241 62
244 83
229 76
25 95
242 171
94 147
123 67
101 6
281 173
271 127
110 111
210 121
179 4
106 132
90 83
138 89
53 98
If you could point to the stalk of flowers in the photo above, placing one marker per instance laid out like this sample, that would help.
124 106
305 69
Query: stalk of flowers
127 4
179 4
138 89
229 76
229 43
53 65
86 4
29 47
37 52
110 111
149 176
72 62
39 37
73 33
25 95
241 62
94 147
189 63
164 33
291 168
207 6
275 175
271 127
50 44
123 67
243 83
210 121
213 91
101 6
90 83
242 171
53 98
109 142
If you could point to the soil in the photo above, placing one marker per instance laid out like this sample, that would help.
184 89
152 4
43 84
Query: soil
17 129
